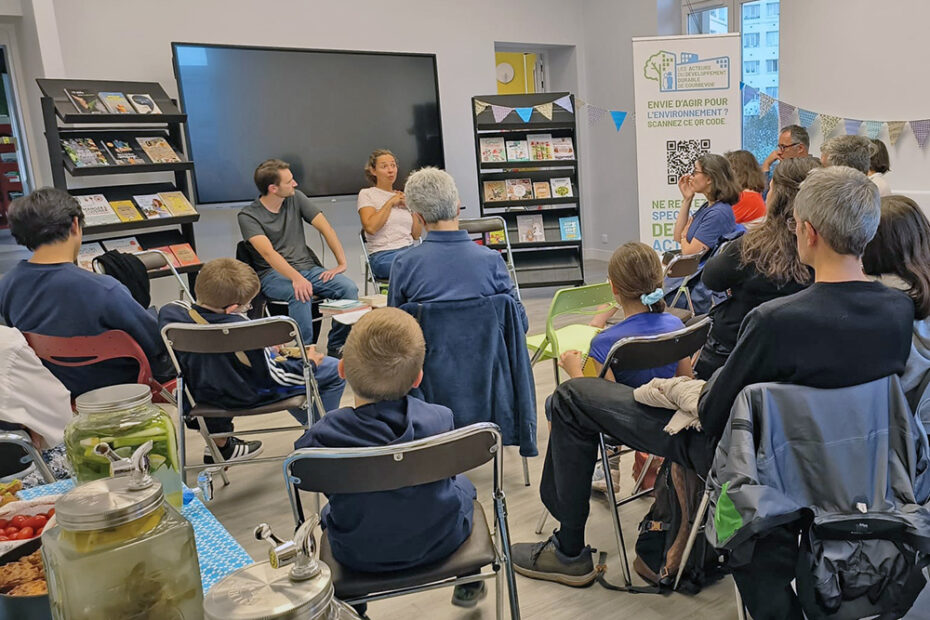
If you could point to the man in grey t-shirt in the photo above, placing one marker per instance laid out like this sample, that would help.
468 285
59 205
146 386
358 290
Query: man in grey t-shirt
288 269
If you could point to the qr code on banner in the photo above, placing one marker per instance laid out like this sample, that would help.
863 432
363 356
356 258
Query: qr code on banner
681 155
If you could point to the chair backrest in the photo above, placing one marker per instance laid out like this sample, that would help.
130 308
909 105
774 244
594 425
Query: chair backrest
480 225
644 352
75 351
231 337
385 468
683 266
364 239
579 298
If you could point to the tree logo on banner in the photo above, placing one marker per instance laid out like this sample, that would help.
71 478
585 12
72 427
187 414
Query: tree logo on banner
687 72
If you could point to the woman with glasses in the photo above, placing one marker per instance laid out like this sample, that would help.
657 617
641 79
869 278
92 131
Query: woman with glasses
760 266
713 177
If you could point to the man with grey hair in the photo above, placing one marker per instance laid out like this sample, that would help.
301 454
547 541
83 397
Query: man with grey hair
793 141
852 151
818 337
448 265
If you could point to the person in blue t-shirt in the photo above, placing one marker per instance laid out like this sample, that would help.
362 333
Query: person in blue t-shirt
701 233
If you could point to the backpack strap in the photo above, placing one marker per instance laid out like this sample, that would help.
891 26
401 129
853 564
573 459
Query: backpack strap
198 318
601 569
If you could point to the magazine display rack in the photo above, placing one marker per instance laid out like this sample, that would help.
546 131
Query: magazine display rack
65 122
528 174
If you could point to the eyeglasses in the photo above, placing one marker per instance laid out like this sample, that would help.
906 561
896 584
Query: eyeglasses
785 147
696 171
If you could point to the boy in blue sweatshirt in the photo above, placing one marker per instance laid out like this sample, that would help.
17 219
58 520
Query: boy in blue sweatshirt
392 530
224 290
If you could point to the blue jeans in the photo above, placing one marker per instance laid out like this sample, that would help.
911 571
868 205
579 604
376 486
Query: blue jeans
330 384
381 262
277 287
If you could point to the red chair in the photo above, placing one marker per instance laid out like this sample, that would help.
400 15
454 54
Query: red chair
88 350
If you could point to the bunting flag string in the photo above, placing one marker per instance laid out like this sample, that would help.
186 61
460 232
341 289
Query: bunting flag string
851 126
618 116
786 114
595 114
894 131
524 113
872 129
500 112
546 110
565 103
806 118
765 104
749 94
480 107
827 124
921 131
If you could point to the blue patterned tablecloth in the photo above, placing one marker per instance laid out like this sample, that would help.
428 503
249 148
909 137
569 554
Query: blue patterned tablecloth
217 550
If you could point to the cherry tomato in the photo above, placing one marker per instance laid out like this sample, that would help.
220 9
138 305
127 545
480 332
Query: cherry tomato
11 530
19 520
36 521
50 513
24 534
39 531
4 523
4 538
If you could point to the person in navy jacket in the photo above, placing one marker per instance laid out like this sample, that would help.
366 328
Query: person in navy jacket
392 530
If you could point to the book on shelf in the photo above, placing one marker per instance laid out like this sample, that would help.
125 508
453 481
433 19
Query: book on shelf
85 101
330 307
158 150
541 190
169 255
126 211
518 150
126 245
151 206
144 104
115 102
530 228
561 187
177 203
540 146
519 189
185 254
563 148
122 153
84 152
492 149
570 228
495 191
97 210
87 254
496 237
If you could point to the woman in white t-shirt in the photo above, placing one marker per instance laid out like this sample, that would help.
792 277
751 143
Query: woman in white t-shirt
389 227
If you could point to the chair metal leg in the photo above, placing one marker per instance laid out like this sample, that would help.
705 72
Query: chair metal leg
615 513
526 472
541 523
538 353
500 507
642 475
499 585
214 450
555 368
692 535
740 608
182 448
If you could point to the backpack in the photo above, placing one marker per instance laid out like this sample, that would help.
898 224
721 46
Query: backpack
664 530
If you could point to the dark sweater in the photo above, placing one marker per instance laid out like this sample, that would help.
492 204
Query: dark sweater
830 335
748 288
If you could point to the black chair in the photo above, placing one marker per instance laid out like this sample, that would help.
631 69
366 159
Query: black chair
386 468
682 266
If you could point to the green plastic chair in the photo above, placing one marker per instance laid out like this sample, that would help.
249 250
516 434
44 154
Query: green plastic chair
577 300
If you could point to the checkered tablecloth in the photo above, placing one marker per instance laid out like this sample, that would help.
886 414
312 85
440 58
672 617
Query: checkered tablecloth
217 550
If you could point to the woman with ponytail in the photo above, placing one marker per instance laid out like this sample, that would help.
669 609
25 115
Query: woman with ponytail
899 257
635 275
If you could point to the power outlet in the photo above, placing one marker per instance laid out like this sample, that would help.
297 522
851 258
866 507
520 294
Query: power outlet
604 239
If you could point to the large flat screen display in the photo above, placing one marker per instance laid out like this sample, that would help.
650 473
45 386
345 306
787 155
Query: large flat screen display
322 111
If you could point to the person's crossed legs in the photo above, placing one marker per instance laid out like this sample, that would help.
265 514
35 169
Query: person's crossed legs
275 286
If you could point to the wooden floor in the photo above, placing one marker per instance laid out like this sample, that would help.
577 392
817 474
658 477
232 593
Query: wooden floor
256 494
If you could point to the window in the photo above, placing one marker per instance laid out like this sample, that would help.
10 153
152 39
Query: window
751 11
771 38
751 66
771 9
771 65
751 39
772 91
759 133
708 21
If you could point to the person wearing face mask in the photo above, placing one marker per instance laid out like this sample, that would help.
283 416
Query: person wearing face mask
389 227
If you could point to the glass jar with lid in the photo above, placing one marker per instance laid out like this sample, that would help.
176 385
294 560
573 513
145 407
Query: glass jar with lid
123 417
118 550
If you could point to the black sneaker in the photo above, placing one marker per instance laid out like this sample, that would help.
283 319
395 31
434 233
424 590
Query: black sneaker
469 594
235 450
544 560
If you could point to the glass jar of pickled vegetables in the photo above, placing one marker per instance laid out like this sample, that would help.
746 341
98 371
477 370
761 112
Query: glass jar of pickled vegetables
123 417
119 550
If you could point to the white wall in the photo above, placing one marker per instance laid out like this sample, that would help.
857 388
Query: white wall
856 59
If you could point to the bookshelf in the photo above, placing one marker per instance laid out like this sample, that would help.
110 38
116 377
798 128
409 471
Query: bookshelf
63 122
11 185
552 260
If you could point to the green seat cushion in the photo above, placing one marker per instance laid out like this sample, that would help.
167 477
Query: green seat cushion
570 337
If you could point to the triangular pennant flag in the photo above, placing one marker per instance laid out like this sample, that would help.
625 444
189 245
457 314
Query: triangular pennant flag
872 129
765 104
479 107
618 116
828 124
921 130
749 94
894 131
500 112
565 102
806 117
786 113
852 126
545 109
524 113
595 114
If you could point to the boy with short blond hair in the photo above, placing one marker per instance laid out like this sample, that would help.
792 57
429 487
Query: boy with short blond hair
225 287
392 530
